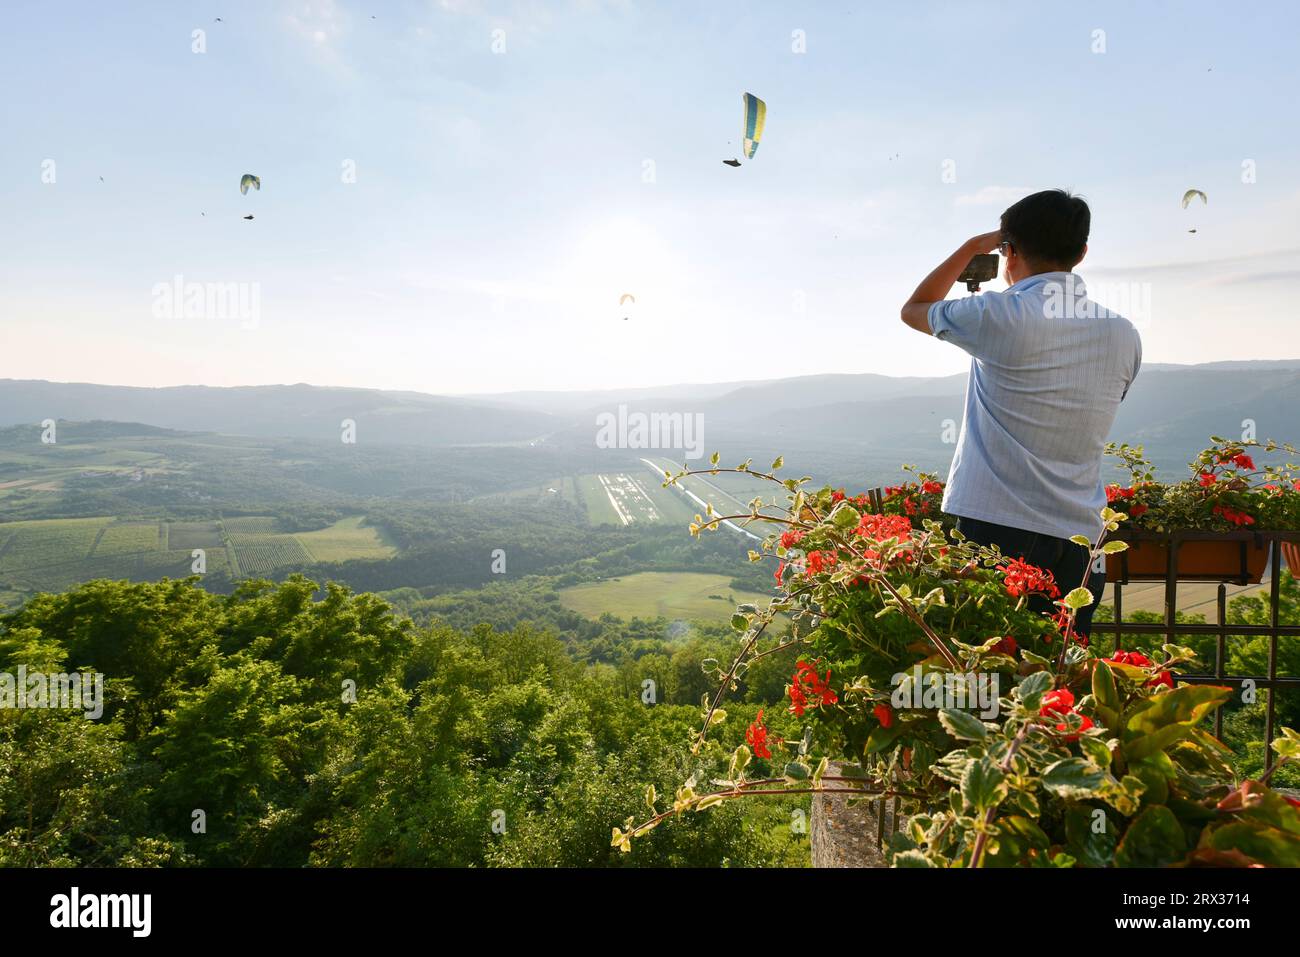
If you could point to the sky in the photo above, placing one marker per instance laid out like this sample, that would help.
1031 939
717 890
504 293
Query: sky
455 195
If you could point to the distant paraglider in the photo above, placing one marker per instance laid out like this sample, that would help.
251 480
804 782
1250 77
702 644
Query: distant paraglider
247 180
625 298
752 123
249 216
1190 195
755 119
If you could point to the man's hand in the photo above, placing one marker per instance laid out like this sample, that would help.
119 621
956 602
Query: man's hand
916 311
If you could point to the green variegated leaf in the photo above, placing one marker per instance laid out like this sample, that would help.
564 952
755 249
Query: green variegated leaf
1078 598
983 785
911 859
845 516
1105 694
797 771
962 724
1169 717
1074 779
1096 750
1287 746
1033 687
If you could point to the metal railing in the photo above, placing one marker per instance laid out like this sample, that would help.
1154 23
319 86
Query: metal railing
1220 628
1171 628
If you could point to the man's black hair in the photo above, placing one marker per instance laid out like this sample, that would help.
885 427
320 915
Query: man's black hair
1049 229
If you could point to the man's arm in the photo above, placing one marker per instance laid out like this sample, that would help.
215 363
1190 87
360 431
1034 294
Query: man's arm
916 311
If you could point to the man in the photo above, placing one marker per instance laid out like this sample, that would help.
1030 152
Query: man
1049 370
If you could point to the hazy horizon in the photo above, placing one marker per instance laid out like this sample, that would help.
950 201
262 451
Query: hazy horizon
449 206
738 383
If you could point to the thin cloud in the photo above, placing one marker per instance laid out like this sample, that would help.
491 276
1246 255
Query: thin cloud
994 196
1207 268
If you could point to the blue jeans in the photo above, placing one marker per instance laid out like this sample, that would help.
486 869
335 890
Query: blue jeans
1064 559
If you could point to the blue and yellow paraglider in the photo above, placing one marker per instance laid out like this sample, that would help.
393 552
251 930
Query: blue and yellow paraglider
755 117
751 126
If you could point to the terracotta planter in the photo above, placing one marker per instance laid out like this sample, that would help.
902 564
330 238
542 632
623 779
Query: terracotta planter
1291 552
1240 560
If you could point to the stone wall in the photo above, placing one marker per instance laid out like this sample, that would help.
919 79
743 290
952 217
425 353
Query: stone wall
844 836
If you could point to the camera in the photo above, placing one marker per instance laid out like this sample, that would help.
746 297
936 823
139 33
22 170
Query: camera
980 269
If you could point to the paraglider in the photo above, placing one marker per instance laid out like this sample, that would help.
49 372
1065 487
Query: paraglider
249 216
1192 194
627 296
751 128
247 180
755 118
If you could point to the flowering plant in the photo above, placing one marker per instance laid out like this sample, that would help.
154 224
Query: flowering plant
916 500
1225 492
927 674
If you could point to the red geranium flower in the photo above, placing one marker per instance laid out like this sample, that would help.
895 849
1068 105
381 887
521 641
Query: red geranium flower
884 715
1135 658
1114 493
808 689
1244 461
1007 646
1139 660
1021 578
1234 516
756 735
1164 678
1206 479
1060 701
882 528
820 561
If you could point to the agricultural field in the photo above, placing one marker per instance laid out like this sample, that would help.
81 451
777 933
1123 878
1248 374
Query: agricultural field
262 554
52 554
564 489
729 494
45 542
675 595
190 535
347 539
127 538
622 498
250 525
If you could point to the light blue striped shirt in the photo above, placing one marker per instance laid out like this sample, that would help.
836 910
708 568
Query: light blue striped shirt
1050 368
